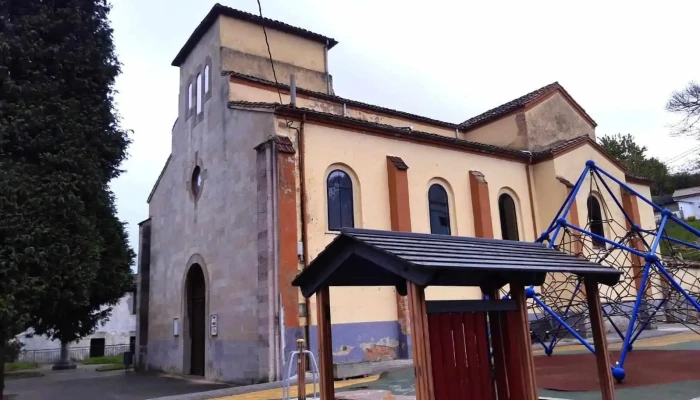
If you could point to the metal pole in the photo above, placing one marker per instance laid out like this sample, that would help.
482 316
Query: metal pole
301 370
567 205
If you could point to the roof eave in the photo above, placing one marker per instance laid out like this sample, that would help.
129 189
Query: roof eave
160 176
473 147
218 10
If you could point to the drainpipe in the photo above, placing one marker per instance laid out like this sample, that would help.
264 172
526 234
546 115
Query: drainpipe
304 230
279 321
271 294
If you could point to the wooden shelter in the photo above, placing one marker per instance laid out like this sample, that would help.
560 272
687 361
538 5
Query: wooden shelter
456 344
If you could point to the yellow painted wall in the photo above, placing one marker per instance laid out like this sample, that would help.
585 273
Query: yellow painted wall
555 119
365 155
502 132
248 37
366 115
548 192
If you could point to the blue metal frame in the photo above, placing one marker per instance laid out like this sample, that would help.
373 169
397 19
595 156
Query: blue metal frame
650 257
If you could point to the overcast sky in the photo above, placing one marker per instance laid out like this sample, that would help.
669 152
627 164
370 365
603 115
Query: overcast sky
448 60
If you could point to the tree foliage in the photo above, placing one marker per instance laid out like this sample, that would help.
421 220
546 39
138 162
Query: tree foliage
627 151
686 104
64 253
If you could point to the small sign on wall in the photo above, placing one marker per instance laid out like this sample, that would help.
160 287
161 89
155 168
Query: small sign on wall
214 325
176 326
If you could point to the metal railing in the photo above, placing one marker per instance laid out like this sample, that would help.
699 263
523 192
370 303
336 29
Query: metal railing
76 354
299 356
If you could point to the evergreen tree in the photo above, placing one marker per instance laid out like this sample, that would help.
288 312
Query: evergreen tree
627 151
64 254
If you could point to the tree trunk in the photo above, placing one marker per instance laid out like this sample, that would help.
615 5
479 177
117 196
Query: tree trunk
65 361
2 368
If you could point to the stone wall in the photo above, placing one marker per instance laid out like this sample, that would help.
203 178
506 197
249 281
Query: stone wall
216 226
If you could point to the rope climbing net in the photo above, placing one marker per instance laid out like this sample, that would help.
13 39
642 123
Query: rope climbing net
660 268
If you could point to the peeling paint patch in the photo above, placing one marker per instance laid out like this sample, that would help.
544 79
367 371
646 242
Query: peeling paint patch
344 350
382 350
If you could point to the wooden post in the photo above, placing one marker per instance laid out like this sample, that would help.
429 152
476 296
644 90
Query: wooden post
325 343
421 343
499 357
521 333
607 387
301 370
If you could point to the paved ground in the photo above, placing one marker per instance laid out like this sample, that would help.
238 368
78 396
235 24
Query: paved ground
396 376
86 383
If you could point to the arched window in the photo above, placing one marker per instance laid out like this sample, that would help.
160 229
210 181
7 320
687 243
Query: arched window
199 93
189 97
509 217
595 220
206 79
439 207
341 211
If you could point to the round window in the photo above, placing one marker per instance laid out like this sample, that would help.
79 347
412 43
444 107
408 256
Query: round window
196 181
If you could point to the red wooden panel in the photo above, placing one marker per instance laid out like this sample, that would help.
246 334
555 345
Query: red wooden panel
460 357
473 352
437 359
499 357
482 341
460 354
447 341
516 384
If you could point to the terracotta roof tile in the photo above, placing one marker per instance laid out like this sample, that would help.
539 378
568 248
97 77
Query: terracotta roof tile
396 131
560 145
285 145
343 100
508 107
520 102
398 163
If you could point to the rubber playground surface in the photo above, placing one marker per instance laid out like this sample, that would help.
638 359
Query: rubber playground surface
575 365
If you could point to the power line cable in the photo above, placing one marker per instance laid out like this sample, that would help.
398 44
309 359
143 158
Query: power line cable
681 155
269 52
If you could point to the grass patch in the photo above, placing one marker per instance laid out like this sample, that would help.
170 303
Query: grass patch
110 367
105 360
678 232
19 366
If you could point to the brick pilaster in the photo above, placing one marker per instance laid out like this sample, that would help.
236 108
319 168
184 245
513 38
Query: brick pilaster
400 212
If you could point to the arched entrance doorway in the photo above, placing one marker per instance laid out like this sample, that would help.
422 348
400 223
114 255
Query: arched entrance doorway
196 290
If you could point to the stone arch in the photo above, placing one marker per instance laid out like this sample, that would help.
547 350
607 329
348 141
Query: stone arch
195 343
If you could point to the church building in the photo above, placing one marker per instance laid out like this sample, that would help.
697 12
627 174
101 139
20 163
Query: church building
268 165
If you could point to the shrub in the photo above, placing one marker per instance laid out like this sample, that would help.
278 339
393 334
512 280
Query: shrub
12 349
692 218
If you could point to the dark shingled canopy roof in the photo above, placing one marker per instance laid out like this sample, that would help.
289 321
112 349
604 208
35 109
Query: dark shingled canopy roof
359 257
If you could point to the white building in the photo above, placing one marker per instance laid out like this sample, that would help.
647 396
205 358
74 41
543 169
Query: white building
688 202
114 337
